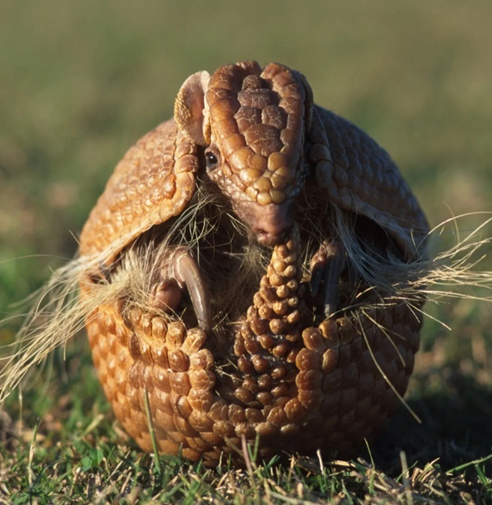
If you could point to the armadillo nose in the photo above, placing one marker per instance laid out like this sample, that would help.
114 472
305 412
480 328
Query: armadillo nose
269 223
270 238
272 225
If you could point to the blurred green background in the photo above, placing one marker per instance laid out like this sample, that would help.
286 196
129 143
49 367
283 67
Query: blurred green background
80 81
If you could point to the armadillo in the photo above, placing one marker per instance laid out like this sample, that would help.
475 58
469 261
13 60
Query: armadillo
252 226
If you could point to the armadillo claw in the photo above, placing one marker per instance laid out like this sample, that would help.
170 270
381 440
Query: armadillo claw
327 265
188 273
180 271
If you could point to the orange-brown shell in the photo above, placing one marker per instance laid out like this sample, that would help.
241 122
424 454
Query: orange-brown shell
296 386
289 376
153 182
361 177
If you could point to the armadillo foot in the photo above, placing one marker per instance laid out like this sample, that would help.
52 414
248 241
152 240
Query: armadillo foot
327 265
166 295
179 272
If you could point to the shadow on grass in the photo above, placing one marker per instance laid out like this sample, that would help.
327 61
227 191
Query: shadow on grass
456 426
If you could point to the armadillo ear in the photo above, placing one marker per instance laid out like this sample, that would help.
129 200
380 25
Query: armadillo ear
191 110
308 102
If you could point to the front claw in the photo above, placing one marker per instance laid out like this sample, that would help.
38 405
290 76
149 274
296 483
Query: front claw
180 271
328 264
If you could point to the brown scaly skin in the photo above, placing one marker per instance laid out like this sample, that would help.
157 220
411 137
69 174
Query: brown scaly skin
290 372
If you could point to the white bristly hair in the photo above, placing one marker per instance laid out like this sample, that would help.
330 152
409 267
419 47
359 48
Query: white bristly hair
61 308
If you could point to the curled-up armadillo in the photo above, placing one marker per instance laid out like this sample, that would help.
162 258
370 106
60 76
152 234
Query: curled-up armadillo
258 238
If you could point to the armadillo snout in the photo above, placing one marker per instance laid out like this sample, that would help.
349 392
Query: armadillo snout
269 239
270 223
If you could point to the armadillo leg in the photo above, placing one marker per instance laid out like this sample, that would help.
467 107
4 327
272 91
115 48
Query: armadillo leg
327 265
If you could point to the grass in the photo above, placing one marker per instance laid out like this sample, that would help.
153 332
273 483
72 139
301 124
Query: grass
81 81
76 453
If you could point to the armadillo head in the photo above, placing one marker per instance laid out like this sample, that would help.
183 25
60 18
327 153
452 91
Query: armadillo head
251 122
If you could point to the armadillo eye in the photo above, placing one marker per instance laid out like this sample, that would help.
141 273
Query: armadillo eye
211 159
